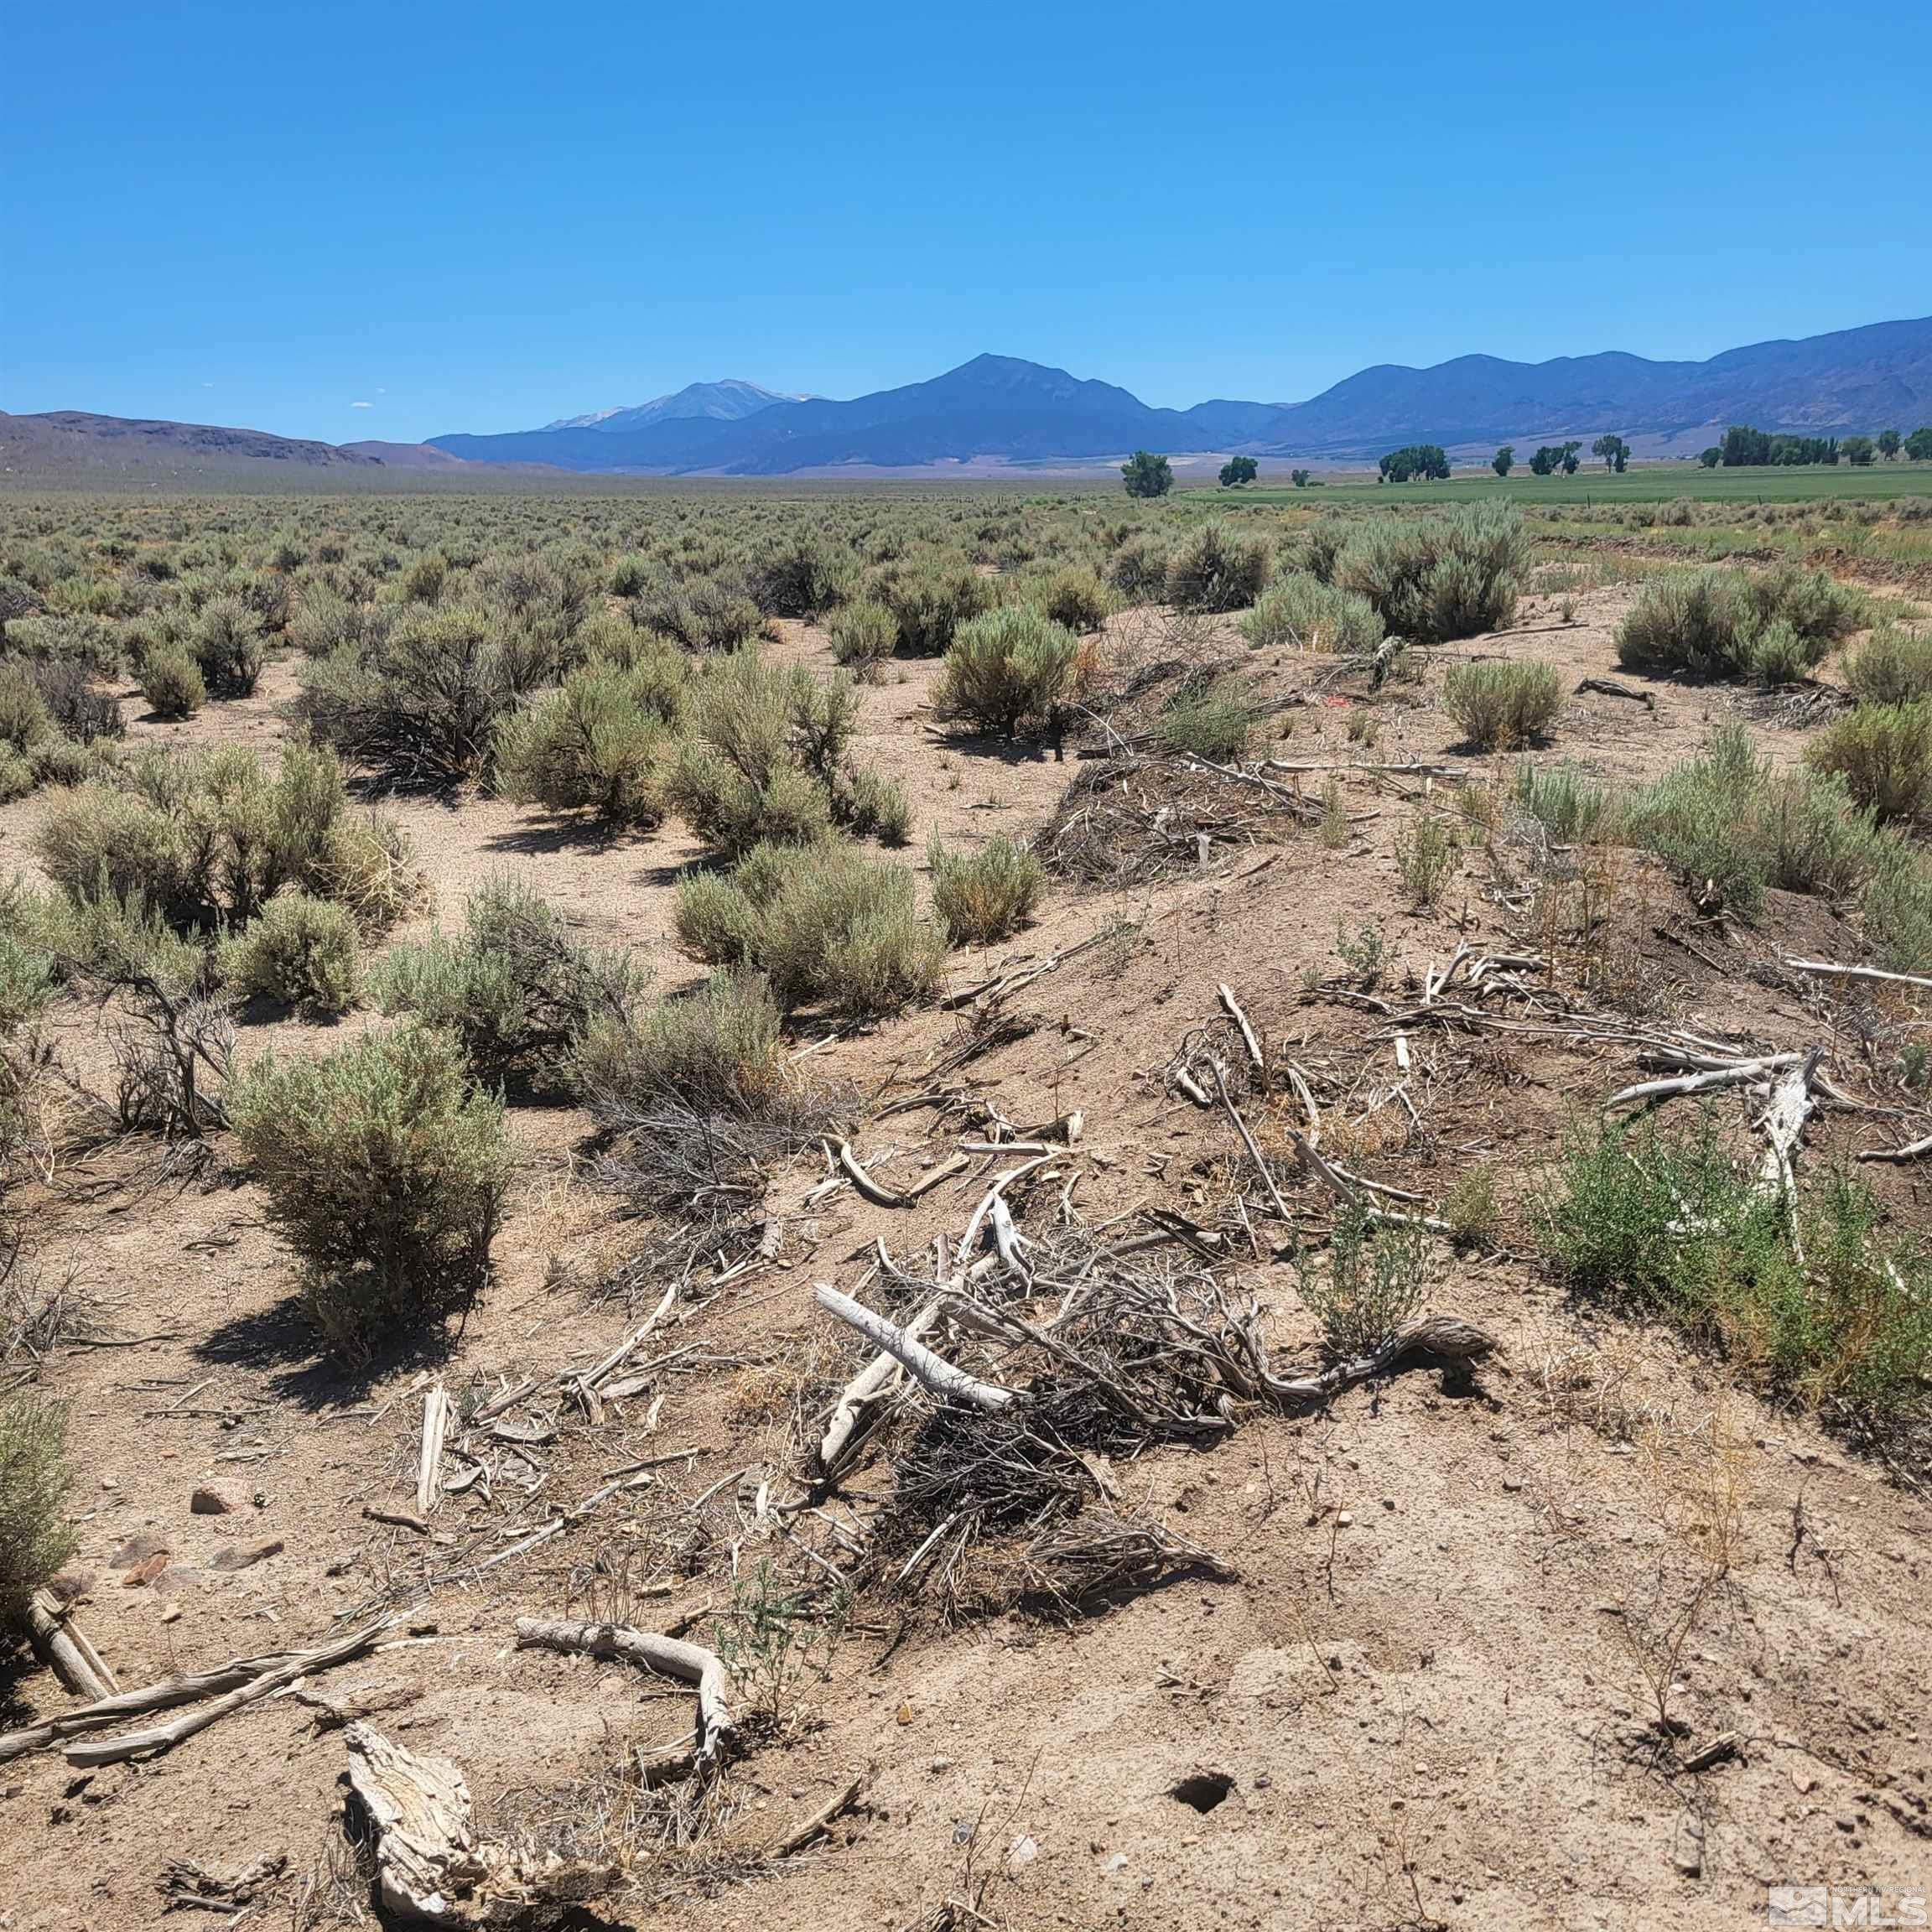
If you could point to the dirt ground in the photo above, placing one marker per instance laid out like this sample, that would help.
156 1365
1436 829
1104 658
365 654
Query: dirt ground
1422 1698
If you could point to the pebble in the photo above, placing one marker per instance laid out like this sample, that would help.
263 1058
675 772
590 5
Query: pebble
206 1499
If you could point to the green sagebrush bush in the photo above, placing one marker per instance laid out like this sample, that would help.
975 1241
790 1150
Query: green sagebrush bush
1301 611
1077 599
1734 826
703 615
421 704
1207 717
978 897
36 1537
78 709
1432 579
1504 705
1665 1222
206 838
25 721
298 950
171 683
513 988
1217 568
802 575
719 1049
765 759
1009 670
864 633
1734 624
1892 667
930 599
229 647
1883 752
384 1168
1138 569
826 925
603 743
1571 804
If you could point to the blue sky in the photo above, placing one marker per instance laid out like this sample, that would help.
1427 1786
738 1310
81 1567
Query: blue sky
480 217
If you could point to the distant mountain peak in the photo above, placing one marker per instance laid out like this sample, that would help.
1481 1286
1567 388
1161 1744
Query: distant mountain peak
728 400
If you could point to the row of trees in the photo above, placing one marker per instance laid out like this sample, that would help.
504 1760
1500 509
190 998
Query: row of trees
1745 447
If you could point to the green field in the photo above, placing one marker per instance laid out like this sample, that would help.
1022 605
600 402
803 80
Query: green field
1643 483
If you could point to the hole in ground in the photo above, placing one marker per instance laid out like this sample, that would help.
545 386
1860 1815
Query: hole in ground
1202 1789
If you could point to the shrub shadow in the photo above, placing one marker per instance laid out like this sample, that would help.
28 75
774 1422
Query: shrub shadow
282 1343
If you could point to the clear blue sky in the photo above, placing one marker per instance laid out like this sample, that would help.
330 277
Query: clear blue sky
480 217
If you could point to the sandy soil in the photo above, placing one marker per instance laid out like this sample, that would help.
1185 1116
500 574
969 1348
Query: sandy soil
1421 1690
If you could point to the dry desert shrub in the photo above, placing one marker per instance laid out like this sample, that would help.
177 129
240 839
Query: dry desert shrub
35 1536
1010 670
1502 706
298 950
981 897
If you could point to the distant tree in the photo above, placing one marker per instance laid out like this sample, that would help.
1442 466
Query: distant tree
1420 462
1918 445
1889 442
1711 458
1299 478
1856 451
1146 475
1614 451
1569 458
1544 461
1504 460
1237 470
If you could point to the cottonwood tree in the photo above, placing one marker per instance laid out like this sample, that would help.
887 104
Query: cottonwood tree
1614 451
1504 460
1146 475
1856 451
1889 442
1918 445
1237 470
1422 462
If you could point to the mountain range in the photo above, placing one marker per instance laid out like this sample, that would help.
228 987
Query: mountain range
1001 407
1000 410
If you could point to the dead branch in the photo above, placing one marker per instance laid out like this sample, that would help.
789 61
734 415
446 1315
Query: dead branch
1916 1150
62 1644
807 1830
937 1376
436 1413
1824 969
662 1656
1446 1336
862 1392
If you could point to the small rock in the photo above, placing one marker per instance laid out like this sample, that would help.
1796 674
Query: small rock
137 1549
1803 1782
235 1559
171 1614
1510 1485
940 1764
209 1499
1118 1862
1343 1520
1025 1851
145 1572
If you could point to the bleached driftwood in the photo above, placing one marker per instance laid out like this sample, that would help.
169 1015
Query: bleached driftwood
431 1868
933 1372
864 1390
436 1414
1708 1080
662 1656
63 1644
1783 1125
1824 969
241 1681
1915 1150
1233 1008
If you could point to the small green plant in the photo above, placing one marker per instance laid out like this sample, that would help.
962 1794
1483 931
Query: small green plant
1374 1282
1433 579
1504 705
1334 831
1732 624
36 1535
1077 600
1426 854
298 950
1207 718
1573 806
717 1051
383 1168
981 897
930 601
1470 1205
774 1639
1366 955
